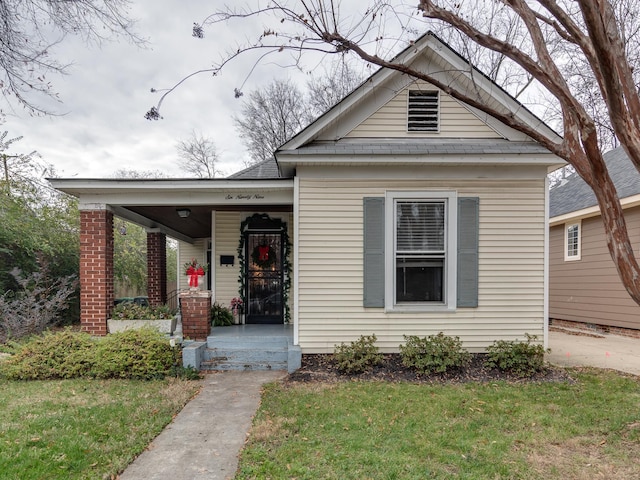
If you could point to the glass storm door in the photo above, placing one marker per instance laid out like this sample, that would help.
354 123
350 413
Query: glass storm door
264 277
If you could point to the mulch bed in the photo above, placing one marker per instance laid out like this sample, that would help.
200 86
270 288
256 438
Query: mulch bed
322 368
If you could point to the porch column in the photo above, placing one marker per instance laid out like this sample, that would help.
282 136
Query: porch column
156 267
196 314
96 269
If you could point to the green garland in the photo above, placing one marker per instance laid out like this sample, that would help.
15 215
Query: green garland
286 264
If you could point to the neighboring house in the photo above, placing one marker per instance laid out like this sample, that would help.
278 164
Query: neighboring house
407 213
584 285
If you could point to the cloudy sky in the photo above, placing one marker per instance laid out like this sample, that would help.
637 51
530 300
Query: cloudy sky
101 127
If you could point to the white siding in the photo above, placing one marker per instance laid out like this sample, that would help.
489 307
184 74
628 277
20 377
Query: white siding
456 121
511 263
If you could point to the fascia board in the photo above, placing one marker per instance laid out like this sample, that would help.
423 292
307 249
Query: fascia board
514 159
79 187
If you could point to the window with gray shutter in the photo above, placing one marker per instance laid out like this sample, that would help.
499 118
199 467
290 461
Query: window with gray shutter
423 111
373 281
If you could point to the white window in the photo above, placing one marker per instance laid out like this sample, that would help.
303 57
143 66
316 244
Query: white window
420 250
572 240
423 111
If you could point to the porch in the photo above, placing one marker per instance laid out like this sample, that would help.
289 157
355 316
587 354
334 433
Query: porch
245 347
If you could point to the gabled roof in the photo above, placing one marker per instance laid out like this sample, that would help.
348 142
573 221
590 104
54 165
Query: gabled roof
573 194
267 169
443 63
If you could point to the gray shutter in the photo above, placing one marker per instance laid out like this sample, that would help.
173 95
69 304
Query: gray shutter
373 281
467 278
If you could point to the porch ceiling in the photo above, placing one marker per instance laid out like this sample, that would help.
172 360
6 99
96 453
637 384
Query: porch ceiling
196 225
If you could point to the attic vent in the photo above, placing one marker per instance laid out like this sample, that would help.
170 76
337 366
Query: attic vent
423 111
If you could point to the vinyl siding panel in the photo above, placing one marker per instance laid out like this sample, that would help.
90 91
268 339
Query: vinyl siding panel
227 236
455 120
511 266
187 251
589 290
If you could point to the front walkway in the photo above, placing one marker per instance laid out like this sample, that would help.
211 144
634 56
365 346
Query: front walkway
204 439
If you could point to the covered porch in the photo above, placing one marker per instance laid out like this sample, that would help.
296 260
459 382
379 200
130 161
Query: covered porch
211 219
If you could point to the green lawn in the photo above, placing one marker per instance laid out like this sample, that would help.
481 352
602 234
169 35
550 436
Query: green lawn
372 430
76 429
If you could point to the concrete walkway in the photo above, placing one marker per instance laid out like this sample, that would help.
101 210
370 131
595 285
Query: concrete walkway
573 348
204 439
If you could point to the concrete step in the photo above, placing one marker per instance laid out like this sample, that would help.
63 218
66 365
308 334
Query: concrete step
247 342
221 364
247 354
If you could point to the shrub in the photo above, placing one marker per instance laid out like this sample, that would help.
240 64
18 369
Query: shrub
134 311
64 354
523 359
433 354
139 354
358 356
142 354
221 316
37 305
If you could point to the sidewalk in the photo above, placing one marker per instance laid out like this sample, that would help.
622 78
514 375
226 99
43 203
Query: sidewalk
602 351
204 439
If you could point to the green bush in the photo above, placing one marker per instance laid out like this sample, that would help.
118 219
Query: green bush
221 316
433 354
143 354
133 311
64 354
139 354
358 356
523 359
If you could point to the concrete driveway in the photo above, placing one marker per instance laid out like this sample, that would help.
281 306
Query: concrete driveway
571 348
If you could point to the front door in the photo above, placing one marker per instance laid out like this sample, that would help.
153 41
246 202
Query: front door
264 277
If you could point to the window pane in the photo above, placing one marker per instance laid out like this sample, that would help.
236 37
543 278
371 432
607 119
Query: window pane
419 280
420 226
572 240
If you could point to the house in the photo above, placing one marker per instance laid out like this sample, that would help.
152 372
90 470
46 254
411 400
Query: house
400 211
585 289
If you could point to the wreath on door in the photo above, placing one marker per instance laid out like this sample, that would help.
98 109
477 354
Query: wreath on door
263 256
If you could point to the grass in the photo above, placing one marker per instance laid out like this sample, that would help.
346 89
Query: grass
373 430
76 429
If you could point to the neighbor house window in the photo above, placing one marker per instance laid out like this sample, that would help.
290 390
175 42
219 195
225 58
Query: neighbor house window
572 241
423 111
421 250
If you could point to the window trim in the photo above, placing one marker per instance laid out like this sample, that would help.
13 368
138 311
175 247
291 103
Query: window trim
578 255
438 98
450 199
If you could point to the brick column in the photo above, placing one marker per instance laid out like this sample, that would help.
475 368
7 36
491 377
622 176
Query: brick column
156 268
196 314
96 270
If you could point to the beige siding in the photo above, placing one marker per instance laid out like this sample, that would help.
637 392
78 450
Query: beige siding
511 262
589 290
187 251
227 236
456 121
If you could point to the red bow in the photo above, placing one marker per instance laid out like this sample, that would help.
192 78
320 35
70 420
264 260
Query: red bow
193 274
263 253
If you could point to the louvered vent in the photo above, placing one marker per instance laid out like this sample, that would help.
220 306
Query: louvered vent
423 111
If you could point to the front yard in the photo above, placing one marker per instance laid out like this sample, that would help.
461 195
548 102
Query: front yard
77 429
589 428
